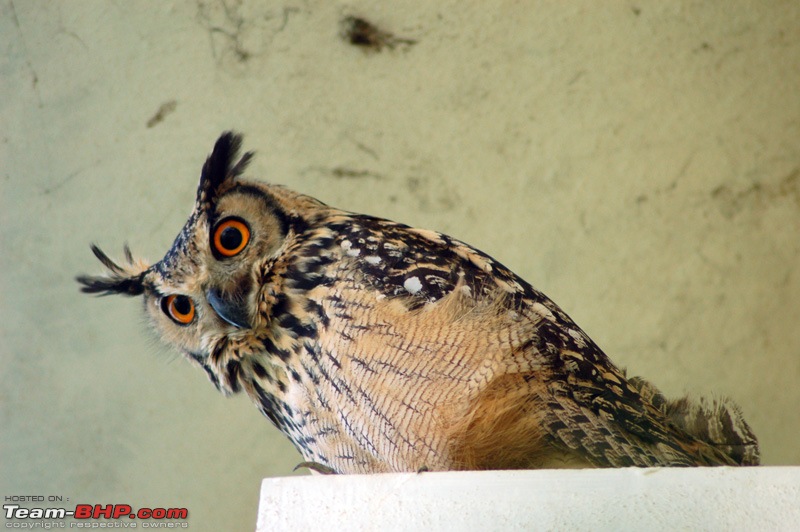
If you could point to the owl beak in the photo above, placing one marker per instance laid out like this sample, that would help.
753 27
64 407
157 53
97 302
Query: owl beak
232 309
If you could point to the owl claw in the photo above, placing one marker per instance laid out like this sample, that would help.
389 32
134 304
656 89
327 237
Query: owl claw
316 466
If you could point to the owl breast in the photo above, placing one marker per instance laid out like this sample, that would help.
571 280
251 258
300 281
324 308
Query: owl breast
379 337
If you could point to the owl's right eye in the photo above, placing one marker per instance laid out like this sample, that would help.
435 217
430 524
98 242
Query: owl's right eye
178 307
230 237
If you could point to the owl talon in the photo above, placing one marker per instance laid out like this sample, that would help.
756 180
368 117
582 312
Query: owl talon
316 466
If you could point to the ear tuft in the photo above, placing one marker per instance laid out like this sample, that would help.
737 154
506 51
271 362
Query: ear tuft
127 280
222 166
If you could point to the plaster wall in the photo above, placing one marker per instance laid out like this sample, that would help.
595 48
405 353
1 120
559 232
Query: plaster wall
636 161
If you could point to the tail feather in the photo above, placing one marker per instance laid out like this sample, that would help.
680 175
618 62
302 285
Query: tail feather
717 422
720 423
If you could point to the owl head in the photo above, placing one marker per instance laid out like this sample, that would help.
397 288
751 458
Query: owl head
206 297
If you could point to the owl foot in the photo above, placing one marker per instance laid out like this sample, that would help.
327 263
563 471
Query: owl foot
316 466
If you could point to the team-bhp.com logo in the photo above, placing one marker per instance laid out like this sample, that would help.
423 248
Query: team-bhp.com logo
88 516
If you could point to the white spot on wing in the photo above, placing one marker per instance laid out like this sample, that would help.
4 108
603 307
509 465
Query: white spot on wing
347 246
580 341
373 259
412 285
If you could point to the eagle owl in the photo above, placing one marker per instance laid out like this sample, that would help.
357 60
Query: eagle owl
377 347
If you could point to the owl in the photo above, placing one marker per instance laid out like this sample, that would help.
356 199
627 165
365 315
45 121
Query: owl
378 347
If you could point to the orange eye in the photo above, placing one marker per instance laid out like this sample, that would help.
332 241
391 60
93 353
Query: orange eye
230 237
179 308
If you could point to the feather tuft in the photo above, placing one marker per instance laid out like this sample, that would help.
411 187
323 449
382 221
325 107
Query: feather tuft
126 280
222 167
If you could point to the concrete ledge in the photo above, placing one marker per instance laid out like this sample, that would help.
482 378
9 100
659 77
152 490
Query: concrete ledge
759 498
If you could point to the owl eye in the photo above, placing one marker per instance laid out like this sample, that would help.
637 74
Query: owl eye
230 237
179 308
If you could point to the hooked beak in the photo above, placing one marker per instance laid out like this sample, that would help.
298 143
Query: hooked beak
232 308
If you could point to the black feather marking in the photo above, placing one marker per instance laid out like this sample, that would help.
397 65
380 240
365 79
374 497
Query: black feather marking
259 370
291 323
212 377
313 351
233 371
219 350
107 262
307 281
272 349
281 305
268 405
318 311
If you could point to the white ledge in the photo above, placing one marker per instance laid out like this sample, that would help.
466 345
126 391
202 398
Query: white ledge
719 498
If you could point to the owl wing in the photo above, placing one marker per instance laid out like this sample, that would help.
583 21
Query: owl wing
587 405
581 403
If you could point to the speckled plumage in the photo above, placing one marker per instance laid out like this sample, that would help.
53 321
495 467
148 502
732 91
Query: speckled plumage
378 347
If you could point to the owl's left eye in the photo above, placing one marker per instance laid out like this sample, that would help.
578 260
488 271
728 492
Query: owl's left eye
230 237
178 307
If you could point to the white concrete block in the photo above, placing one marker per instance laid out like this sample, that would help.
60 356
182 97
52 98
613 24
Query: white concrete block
721 498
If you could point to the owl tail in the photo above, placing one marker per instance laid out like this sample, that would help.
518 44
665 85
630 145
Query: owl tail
720 423
717 422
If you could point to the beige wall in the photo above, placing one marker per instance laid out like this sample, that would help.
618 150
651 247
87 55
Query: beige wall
638 162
